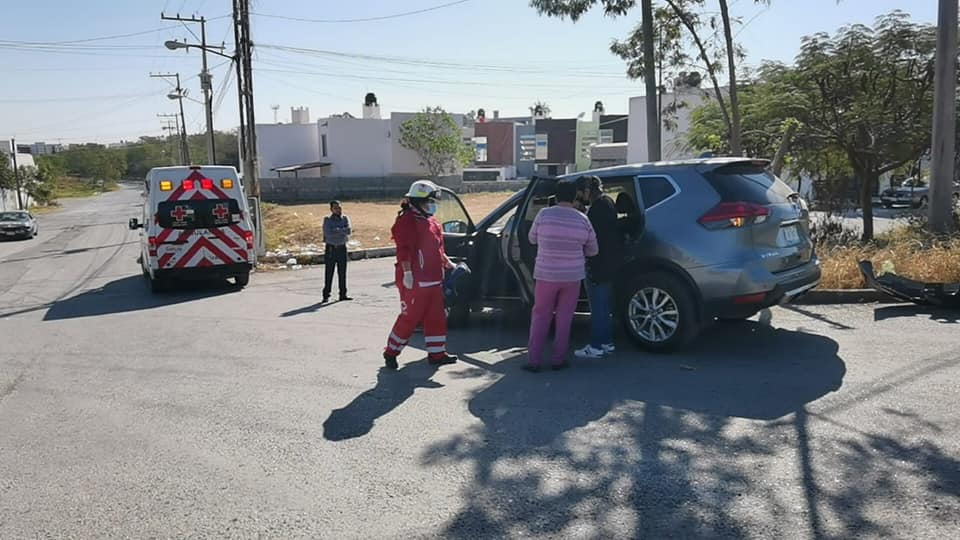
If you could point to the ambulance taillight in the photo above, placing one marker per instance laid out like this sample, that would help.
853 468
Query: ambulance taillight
248 236
153 243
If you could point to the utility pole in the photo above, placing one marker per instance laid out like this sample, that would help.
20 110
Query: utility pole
241 14
171 126
16 174
206 83
944 120
184 149
650 78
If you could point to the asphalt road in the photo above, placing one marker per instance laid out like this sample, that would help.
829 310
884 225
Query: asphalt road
213 413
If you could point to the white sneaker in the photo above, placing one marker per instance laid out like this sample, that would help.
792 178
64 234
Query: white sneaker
609 348
588 352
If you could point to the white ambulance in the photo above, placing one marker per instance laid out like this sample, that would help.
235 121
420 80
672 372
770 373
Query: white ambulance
196 224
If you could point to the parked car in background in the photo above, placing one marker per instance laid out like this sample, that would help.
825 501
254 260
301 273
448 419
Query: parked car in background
18 224
914 193
724 238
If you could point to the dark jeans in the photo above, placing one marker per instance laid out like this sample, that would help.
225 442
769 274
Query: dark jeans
335 258
601 327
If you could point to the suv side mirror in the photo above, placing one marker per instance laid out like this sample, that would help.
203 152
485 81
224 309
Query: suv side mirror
134 224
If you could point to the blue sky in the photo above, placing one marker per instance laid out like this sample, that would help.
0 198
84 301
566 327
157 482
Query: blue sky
494 54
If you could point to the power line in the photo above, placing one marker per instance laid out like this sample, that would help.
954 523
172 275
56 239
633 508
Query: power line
105 38
364 19
85 98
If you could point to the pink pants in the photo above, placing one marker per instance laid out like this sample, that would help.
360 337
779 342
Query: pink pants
552 299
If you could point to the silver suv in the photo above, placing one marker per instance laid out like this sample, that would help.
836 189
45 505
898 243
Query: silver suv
723 239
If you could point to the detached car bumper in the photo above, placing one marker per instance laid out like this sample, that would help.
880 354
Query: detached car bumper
200 273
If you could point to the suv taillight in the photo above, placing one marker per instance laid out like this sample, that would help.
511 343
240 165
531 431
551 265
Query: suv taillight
734 214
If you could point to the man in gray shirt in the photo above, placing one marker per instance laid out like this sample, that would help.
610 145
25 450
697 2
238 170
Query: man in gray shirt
336 233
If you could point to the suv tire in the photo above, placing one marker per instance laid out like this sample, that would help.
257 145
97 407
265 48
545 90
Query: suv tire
652 303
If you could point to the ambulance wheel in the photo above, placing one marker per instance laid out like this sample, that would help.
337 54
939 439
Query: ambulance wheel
241 280
458 316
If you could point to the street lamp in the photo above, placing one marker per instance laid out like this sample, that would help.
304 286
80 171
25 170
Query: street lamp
206 83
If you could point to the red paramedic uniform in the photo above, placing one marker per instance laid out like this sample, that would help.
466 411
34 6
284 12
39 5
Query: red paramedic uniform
419 241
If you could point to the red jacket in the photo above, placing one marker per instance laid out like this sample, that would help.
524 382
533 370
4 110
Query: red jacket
419 241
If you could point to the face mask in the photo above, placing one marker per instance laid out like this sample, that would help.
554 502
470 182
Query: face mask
430 208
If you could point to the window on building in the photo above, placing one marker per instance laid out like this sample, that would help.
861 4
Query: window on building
323 145
606 136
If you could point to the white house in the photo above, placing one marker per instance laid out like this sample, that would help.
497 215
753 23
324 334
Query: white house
341 147
673 143
283 145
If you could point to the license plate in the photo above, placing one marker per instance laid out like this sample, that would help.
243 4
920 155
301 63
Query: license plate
788 236
10 233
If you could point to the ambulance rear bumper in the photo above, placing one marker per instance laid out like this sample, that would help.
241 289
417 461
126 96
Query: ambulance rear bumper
220 271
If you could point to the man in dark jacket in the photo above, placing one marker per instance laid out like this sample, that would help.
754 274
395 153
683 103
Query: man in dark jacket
336 233
602 269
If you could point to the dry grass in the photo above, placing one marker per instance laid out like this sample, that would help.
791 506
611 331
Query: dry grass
908 252
293 226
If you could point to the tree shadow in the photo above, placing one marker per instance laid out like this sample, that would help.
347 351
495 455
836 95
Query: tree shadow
132 294
393 388
941 315
633 445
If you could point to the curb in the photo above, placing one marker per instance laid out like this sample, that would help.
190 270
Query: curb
317 258
839 296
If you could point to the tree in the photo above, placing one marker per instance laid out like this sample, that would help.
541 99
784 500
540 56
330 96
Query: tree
435 137
37 182
540 110
864 95
7 178
869 93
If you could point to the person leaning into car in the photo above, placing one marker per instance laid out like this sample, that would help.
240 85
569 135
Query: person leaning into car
602 268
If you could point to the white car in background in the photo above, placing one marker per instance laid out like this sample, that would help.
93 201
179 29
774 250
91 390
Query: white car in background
18 224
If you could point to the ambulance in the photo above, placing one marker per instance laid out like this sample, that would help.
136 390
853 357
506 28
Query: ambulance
196 224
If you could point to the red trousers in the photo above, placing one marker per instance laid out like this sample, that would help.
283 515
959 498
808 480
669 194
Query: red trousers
420 305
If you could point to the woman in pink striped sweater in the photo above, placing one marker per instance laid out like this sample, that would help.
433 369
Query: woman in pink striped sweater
564 239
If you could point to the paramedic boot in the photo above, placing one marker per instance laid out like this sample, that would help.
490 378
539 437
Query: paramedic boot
390 361
444 360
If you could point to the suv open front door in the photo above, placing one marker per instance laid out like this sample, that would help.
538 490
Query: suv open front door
518 252
456 224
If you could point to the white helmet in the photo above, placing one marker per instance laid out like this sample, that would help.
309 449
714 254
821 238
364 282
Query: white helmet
423 189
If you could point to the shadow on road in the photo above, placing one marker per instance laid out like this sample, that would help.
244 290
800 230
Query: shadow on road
132 294
941 315
392 389
313 308
635 442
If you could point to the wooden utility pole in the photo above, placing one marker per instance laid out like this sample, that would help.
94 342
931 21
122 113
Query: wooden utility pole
944 120
241 16
206 81
172 125
651 100
184 148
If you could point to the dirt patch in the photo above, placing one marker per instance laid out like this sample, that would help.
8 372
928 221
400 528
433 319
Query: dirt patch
289 227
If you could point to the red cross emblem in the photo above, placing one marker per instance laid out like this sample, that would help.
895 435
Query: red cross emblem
178 213
221 212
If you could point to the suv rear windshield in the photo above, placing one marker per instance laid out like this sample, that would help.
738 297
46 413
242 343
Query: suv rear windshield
198 214
748 183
